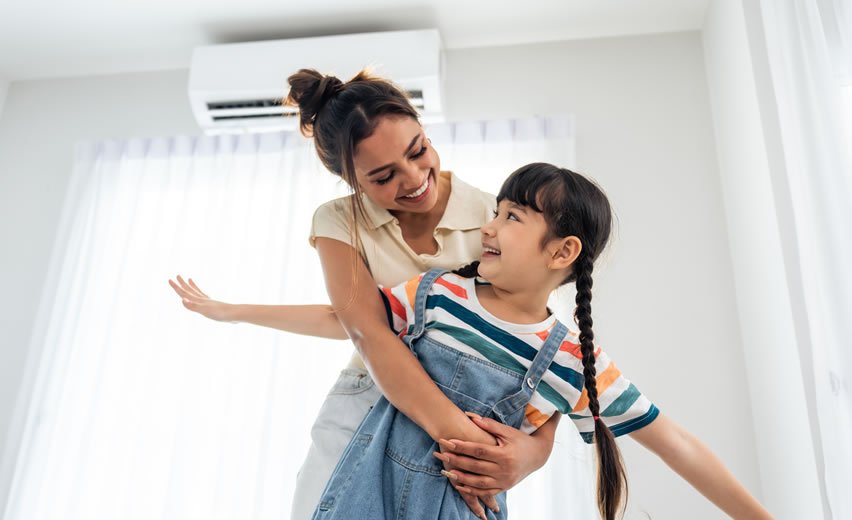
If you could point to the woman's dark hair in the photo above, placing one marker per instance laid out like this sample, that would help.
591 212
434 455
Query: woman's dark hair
340 115
572 205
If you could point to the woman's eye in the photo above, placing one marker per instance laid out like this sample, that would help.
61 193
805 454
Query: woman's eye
419 153
385 180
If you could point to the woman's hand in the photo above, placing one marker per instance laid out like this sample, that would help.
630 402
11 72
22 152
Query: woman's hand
483 470
195 300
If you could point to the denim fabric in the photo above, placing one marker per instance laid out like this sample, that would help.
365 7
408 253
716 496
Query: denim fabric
343 410
388 471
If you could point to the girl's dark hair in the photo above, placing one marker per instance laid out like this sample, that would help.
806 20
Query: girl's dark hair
340 115
573 205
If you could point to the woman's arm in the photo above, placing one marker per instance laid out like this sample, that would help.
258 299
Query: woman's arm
309 320
396 371
694 461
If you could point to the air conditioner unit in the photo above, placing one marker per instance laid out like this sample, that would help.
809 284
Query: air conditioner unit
238 88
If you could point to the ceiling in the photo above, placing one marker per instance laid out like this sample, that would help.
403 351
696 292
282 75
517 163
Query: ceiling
54 38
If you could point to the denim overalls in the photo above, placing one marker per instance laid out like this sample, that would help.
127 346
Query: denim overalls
388 470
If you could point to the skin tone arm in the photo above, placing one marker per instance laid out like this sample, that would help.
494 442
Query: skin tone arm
321 321
678 448
308 320
692 459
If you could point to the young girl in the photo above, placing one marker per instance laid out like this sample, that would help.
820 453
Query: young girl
494 348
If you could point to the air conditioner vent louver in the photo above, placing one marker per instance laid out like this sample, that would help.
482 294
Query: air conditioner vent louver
250 103
252 116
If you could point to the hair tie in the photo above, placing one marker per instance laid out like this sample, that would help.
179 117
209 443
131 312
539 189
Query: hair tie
596 417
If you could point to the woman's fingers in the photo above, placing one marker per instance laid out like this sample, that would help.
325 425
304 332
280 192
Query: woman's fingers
180 290
481 483
474 505
472 449
479 493
469 464
197 289
495 428
490 501
190 288
185 296
187 287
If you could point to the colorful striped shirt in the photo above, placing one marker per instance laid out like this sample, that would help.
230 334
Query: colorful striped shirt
455 317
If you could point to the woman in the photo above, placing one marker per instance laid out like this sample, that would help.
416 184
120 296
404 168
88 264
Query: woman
405 216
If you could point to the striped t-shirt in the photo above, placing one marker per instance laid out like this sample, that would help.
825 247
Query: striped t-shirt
455 318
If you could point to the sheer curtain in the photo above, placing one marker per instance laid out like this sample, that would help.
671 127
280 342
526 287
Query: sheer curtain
810 54
138 408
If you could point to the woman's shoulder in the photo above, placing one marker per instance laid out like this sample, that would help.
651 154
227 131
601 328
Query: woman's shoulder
334 207
331 220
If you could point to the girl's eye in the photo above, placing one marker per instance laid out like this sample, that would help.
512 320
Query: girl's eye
512 216
385 180
419 153
494 213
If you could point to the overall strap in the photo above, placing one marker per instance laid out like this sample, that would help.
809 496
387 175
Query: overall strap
426 281
545 356
536 371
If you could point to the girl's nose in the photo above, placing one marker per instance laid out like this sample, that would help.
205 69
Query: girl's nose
488 229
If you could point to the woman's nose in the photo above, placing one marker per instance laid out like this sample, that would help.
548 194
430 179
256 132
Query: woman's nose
413 179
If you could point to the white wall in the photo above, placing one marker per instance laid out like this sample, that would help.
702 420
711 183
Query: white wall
4 88
664 302
743 125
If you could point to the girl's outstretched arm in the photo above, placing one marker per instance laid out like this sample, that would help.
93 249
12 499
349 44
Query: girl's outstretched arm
692 459
309 320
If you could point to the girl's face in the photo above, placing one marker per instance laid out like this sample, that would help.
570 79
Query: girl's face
512 252
397 168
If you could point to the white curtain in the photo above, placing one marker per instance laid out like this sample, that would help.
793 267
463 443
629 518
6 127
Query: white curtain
141 409
810 53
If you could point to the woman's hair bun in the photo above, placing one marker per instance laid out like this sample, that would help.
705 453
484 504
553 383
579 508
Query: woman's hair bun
310 91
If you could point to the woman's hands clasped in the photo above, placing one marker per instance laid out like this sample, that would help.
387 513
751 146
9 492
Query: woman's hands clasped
481 471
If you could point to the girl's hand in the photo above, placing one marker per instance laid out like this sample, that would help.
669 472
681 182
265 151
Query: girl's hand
195 300
482 470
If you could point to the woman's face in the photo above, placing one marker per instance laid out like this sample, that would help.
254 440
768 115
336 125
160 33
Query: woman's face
397 168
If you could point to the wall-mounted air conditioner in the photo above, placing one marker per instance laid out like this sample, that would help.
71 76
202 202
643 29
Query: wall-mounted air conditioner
238 87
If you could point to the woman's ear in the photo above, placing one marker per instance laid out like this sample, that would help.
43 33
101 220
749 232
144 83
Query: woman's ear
566 252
